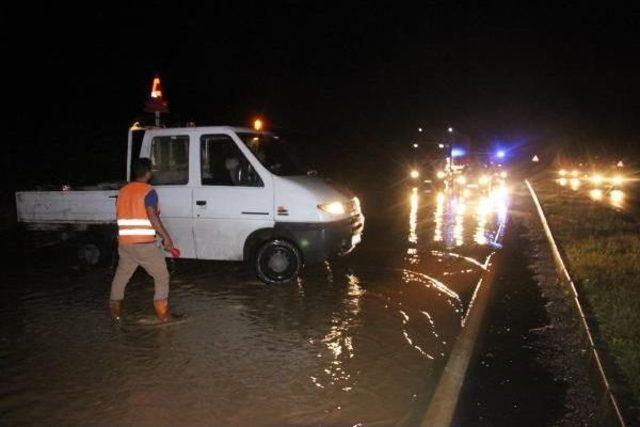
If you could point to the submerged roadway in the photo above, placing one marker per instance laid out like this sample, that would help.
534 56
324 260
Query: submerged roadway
357 341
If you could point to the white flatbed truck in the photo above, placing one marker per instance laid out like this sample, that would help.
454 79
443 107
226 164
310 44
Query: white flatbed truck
226 193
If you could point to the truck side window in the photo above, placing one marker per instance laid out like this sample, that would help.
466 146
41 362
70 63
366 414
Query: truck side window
222 163
170 159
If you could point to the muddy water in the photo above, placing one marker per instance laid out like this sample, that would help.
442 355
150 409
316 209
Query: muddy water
358 341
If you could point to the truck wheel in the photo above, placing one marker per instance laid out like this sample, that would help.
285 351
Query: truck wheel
92 253
89 254
277 261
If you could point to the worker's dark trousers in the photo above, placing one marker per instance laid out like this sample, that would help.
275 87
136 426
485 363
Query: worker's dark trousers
149 257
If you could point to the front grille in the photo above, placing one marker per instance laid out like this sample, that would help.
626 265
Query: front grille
355 214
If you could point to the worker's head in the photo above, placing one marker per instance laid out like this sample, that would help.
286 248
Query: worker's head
141 170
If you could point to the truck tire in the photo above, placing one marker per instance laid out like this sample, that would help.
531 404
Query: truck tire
93 252
277 261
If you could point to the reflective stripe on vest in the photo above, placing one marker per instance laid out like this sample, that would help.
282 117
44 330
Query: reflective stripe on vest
136 232
133 222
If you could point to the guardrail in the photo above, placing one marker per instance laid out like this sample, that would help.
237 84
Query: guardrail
611 413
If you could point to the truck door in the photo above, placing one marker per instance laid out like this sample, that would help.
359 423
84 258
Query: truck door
232 199
170 155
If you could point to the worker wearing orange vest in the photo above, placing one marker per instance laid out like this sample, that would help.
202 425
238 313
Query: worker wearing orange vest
138 224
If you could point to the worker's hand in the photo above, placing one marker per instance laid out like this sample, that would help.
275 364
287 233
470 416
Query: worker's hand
167 243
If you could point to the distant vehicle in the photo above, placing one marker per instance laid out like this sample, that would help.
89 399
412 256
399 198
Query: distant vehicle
604 174
471 174
226 193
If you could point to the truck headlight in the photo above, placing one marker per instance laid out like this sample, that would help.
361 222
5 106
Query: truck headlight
334 208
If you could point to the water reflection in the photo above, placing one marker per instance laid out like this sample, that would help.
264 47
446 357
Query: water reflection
438 217
412 250
458 228
339 339
457 218
483 210
617 198
413 217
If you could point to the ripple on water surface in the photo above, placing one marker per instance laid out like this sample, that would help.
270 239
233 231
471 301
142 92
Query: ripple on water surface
340 347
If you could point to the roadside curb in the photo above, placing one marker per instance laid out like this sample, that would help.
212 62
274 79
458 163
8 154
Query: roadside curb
442 406
611 410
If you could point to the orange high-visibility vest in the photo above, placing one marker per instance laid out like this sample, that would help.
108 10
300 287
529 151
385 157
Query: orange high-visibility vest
133 222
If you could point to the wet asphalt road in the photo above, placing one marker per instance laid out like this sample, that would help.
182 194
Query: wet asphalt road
357 341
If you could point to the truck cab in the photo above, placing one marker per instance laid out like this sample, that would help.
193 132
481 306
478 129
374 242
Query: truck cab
236 194
226 193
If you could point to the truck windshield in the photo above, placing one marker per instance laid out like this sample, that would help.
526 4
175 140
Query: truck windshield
273 153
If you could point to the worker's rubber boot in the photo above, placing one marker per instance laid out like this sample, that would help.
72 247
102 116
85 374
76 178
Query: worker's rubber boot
114 309
162 309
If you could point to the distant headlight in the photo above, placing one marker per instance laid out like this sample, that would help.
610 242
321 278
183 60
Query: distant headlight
334 208
503 174
617 180
461 180
484 180
597 179
414 174
441 174
562 172
596 194
617 196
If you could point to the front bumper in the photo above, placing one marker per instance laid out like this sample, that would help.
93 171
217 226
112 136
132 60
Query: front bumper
319 241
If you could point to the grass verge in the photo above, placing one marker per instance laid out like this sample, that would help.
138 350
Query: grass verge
602 247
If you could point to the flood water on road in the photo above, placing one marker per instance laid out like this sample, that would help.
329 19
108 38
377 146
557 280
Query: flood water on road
359 340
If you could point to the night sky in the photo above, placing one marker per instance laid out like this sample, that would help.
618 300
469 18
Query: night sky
337 78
